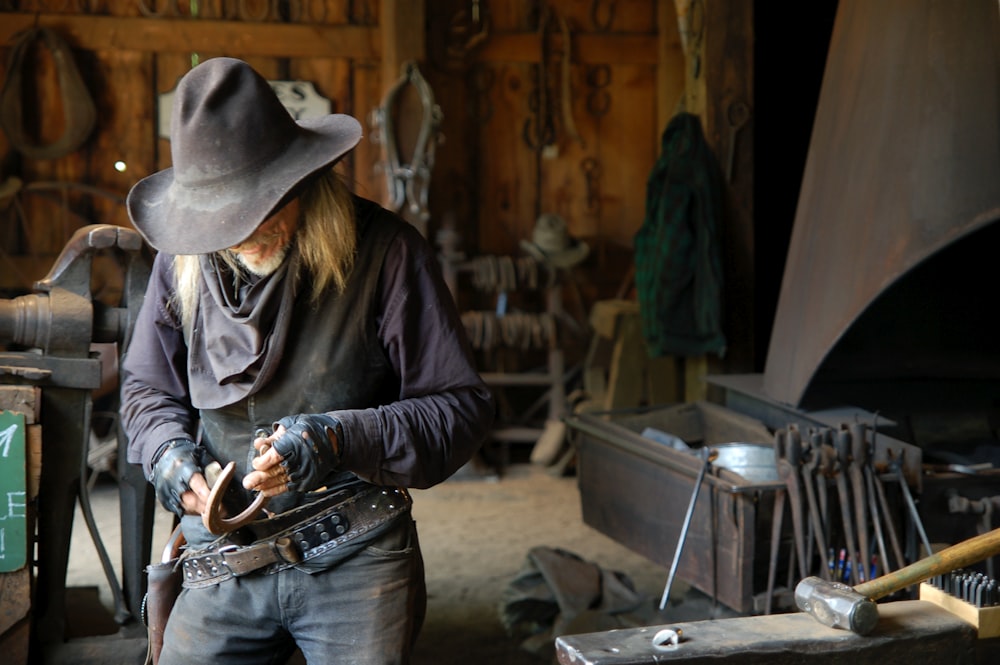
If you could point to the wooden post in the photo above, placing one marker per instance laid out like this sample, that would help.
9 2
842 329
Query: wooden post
402 26
670 76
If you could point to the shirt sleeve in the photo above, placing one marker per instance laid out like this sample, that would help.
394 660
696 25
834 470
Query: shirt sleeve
444 410
155 406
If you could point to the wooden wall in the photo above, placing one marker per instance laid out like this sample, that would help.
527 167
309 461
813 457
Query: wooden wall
618 78
128 54
604 84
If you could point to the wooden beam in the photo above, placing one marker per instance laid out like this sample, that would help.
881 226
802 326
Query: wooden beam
611 49
162 35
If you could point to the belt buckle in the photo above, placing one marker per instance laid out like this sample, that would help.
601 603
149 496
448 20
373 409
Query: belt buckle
223 550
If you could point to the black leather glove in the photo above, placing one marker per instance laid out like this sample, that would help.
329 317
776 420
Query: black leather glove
308 453
176 463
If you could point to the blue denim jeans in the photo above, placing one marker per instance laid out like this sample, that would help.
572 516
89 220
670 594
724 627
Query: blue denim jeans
366 610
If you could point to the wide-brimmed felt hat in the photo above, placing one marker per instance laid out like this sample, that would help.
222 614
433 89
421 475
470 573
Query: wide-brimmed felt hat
551 243
237 153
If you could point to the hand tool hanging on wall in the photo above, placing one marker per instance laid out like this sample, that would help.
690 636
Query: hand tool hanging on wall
602 19
821 440
888 522
777 519
842 444
79 112
407 183
788 454
598 101
467 30
877 520
896 468
811 456
540 130
858 460
854 609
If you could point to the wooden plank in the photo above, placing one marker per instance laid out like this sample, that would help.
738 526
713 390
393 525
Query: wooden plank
630 143
508 177
363 162
120 151
166 35
22 399
401 42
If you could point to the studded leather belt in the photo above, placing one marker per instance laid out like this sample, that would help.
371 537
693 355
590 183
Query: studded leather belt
334 526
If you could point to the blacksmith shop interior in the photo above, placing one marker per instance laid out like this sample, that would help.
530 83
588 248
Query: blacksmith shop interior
724 265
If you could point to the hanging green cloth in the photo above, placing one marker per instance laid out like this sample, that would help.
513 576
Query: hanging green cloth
678 254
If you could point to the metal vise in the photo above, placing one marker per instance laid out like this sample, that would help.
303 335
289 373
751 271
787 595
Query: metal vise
57 324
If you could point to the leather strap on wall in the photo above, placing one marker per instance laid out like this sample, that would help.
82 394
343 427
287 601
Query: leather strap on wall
78 106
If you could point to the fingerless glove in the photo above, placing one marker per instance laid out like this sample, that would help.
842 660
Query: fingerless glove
173 467
307 452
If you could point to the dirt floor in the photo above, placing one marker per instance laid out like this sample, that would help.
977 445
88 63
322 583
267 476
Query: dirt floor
476 532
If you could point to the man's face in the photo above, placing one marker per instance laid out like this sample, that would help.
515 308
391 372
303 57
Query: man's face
263 252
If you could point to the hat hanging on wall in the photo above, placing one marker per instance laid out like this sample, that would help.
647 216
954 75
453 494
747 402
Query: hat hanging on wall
551 243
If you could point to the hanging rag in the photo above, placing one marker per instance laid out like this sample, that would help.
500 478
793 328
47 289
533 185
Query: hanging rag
78 107
678 254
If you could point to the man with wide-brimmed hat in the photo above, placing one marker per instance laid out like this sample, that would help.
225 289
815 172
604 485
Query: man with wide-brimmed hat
278 301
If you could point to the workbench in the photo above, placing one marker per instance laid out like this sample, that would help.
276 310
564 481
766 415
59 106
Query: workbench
913 632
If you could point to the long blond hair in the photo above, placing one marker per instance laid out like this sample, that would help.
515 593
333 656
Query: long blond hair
326 239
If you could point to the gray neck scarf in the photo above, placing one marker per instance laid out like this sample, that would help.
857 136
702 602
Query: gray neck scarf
240 331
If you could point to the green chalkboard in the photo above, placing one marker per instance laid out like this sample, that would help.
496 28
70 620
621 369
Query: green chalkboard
13 493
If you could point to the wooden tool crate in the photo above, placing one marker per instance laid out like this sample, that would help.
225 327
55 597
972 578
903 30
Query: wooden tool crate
636 490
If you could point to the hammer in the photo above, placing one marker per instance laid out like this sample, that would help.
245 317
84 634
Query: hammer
840 606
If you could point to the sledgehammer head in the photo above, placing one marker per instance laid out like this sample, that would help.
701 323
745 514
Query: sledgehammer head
836 605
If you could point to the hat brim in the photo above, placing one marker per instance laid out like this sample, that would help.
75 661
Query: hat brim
177 219
565 258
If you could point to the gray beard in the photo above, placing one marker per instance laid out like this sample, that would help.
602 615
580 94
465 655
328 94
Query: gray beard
265 268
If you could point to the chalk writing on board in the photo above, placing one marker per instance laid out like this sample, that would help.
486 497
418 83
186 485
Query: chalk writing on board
13 493
6 436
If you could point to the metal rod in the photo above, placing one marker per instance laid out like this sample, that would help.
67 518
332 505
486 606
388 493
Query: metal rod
914 513
706 459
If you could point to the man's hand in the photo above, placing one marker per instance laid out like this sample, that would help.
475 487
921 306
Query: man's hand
178 478
297 457
270 477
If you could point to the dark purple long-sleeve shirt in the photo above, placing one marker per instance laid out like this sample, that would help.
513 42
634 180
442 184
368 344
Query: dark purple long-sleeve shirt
443 413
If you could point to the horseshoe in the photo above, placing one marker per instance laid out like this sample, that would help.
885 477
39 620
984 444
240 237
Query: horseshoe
212 517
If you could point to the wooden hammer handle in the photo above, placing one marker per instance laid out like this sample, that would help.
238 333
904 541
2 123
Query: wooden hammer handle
951 558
